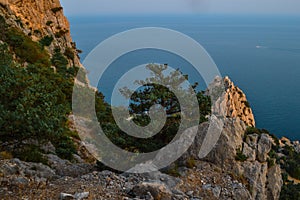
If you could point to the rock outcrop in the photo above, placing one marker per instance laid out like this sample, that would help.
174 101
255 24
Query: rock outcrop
230 101
244 155
40 18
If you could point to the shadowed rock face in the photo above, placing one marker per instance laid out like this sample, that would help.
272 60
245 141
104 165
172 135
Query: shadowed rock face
40 18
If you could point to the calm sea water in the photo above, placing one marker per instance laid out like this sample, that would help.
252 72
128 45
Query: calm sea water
261 54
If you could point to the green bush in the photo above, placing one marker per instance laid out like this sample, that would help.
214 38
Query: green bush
48 23
240 156
292 162
36 31
271 162
252 130
290 191
26 49
247 104
34 104
30 153
60 33
173 171
46 41
59 60
56 9
190 163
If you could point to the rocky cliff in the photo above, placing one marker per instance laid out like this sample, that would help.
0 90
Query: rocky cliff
238 151
41 18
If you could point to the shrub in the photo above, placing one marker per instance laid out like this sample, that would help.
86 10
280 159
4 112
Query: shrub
271 162
290 191
34 104
46 41
69 53
173 171
5 155
59 60
292 162
48 23
3 28
65 148
252 130
247 104
190 163
30 153
26 49
60 33
36 31
240 156
56 9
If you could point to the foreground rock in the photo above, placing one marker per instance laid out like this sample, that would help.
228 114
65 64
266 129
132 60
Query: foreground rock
21 180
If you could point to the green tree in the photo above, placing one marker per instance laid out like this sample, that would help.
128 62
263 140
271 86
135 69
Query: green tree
149 94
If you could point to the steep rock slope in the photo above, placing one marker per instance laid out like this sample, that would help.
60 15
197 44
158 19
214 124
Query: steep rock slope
40 18
239 150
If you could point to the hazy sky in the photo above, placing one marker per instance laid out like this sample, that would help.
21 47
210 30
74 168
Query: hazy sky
94 7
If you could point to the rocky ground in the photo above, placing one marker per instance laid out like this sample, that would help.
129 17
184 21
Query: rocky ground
20 180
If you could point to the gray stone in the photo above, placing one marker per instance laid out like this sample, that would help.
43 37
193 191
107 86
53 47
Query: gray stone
263 147
249 152
158 190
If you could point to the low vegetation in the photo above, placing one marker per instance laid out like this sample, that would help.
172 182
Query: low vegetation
35 100
240 156
46 41
56 9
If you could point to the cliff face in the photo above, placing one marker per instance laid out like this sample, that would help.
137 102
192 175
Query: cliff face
237 104
243 153
40 18
230 101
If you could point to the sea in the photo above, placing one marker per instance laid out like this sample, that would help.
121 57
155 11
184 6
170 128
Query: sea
261 54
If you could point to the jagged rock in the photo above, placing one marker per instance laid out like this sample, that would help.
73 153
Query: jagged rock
263 147
231 139
17 167
48 148
237 104
39 18
249 152
169 181
237 116
274 186
256 174
66 168
296 145
230 101
251 140
285 141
